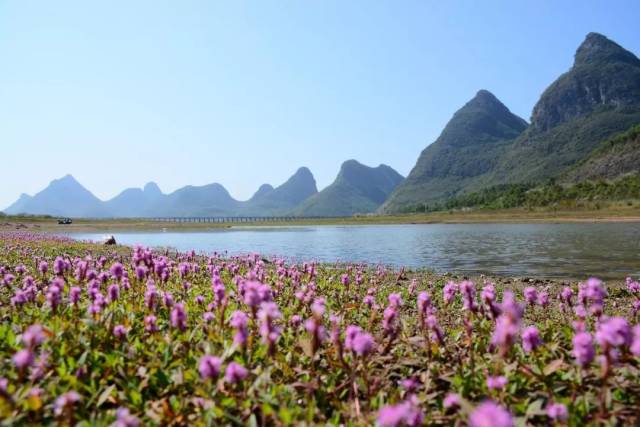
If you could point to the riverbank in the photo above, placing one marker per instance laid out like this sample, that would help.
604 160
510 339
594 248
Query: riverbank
620 213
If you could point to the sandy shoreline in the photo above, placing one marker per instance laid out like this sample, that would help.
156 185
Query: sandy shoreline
514 216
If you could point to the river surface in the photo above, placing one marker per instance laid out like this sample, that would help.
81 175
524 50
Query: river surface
606 250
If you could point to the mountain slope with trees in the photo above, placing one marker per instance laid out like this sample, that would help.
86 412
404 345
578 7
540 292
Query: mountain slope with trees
596 99
356 189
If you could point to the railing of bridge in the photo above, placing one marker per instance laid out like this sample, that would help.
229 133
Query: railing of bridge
240 219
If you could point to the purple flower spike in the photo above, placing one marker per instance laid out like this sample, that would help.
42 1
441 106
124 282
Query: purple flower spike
635 344
235 373
209 367
114 292
451 400
363 344
489 414
23 359
117 270
179 317
33 336
496 383
613 332
583 349
125 419
150 323
557 412
74 295
531 295
65 402
119 331
405 414
240 321
530 339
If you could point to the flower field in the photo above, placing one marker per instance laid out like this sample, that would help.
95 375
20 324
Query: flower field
96 335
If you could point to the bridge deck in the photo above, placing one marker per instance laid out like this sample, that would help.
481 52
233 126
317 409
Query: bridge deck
238 219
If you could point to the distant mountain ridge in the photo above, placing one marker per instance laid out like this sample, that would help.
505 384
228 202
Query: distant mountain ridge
206 200
63 197
67 197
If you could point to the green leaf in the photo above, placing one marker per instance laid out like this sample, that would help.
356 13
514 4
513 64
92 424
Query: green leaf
285 416
553 367
105 394
135 396
535 408
83 358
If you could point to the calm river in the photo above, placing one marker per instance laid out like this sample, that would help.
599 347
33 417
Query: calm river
606 250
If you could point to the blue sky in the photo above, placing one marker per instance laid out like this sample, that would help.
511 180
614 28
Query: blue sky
242 93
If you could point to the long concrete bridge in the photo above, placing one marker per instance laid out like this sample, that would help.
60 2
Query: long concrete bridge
240 219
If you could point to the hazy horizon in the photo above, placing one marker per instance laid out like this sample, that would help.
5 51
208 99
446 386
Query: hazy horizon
195 93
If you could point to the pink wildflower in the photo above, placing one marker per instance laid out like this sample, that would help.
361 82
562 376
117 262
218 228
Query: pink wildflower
489 414
235 373
209 367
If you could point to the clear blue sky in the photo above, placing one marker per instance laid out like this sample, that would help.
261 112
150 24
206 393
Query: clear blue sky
242 93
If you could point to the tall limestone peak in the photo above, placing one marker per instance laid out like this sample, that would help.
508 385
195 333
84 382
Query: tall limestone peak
376 182
357 189
485 100
482 119
262 192
597 48
63 197
301 185
19 206
67 181
466 150
152 189
604 77
276 201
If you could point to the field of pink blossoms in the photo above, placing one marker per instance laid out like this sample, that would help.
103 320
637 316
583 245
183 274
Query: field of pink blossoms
91 335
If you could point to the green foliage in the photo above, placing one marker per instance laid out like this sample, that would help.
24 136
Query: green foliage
631 134
612 159
530 196
356 189
156 374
